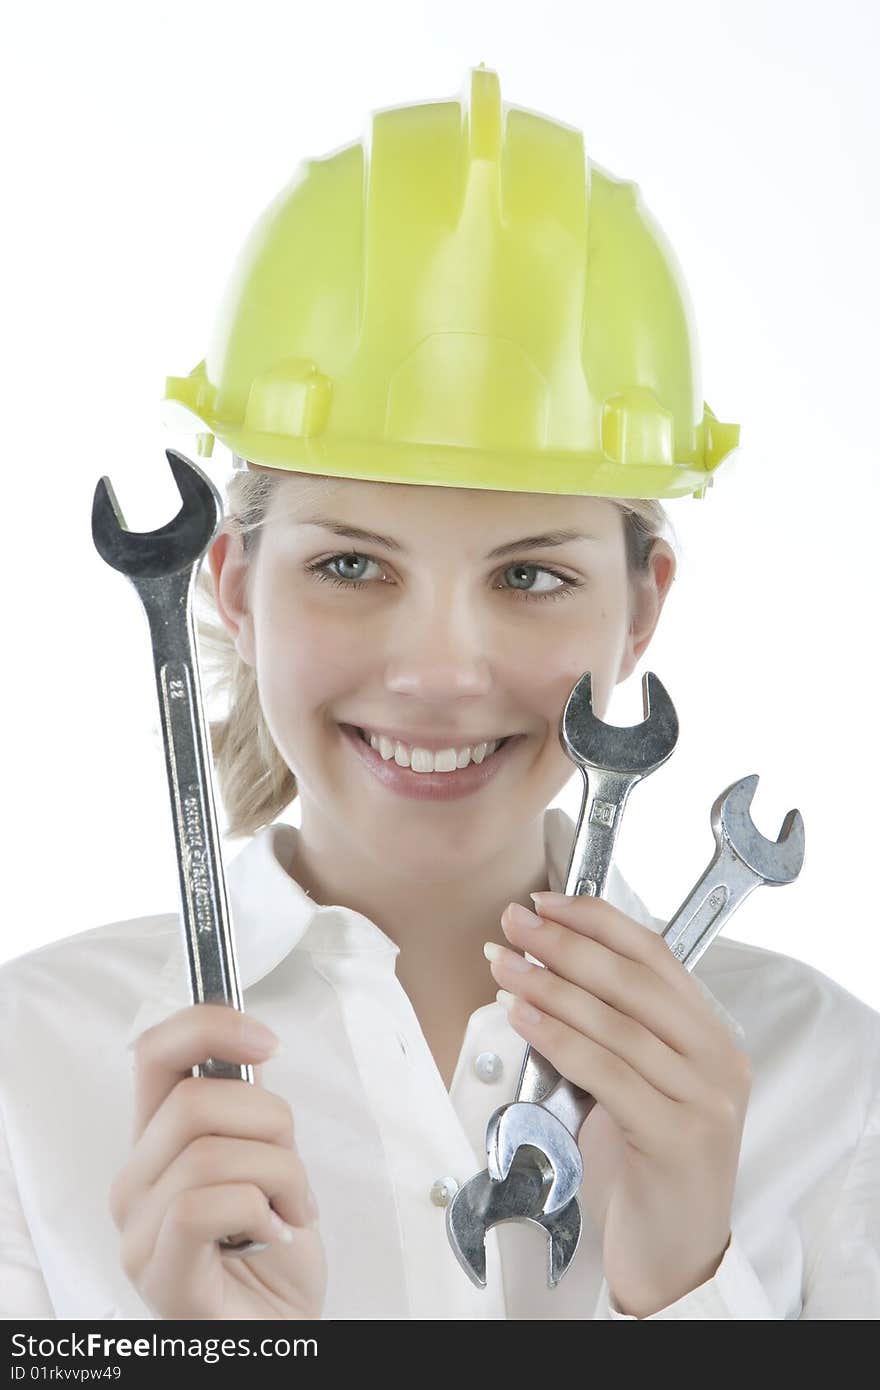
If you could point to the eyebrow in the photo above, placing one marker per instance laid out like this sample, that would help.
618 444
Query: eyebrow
357 533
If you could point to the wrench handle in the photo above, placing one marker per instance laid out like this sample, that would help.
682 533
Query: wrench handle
213 969
604 801
211 958
718 893
213 973
602 807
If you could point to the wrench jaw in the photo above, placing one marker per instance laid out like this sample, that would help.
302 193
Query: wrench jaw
774 862
545 1143
174 546
637 748
483 1203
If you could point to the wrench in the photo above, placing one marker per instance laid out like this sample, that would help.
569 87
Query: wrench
542 1122
612 760
743 860
163 565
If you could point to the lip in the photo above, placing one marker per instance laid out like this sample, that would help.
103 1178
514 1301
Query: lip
431 786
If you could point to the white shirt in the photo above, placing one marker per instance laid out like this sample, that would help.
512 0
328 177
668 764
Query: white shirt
376 1127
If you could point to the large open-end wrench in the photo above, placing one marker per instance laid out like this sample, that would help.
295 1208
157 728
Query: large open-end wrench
540 1125
163 566
744 859
548 1110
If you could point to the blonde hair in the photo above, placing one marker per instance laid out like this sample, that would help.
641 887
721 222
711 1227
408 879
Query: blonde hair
255 783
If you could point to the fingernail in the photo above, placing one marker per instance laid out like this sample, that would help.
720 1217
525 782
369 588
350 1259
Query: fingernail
282 1230
512 959
525 1011
254 1035
521 916
548 899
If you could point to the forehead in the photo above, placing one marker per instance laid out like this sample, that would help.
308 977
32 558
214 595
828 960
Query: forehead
300 496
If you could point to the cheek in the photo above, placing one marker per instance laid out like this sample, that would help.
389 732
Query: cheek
303 660
548 674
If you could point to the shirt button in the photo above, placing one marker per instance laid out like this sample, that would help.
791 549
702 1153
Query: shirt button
443 1191
488 1066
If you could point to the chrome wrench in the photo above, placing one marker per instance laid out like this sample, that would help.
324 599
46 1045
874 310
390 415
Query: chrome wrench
548 1110
537 1128
163 566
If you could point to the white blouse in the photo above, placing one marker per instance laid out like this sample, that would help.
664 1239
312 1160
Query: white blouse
382 1139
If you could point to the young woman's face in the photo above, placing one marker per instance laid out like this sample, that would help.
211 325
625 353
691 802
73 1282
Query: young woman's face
421 630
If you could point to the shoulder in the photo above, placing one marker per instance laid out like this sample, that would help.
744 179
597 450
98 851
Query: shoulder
801 1027
130 936
102 969
758 978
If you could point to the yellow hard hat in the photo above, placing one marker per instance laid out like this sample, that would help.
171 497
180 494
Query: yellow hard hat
461 299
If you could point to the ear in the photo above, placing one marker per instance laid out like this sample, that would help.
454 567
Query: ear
230 570
649 595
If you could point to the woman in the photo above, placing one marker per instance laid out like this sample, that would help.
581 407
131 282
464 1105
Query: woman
456 390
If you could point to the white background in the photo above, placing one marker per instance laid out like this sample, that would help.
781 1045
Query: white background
141 143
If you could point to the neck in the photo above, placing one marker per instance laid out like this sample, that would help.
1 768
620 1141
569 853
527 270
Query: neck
439 914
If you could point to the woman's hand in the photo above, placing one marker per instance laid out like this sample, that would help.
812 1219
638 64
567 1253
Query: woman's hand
623 1019
209 1155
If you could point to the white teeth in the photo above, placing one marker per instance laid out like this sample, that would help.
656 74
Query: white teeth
424 760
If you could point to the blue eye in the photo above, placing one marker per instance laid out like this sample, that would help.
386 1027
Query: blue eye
321 572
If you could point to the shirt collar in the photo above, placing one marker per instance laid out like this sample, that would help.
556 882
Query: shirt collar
271 915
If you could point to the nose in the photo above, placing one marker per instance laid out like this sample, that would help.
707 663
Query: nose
439 652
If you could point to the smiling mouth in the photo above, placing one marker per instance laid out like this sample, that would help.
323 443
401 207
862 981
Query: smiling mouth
437 785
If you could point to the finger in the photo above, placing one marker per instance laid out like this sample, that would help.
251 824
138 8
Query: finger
605 923
665 1069
200 1106
210 1163
638 1108
167 1053
627 985
184 1250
